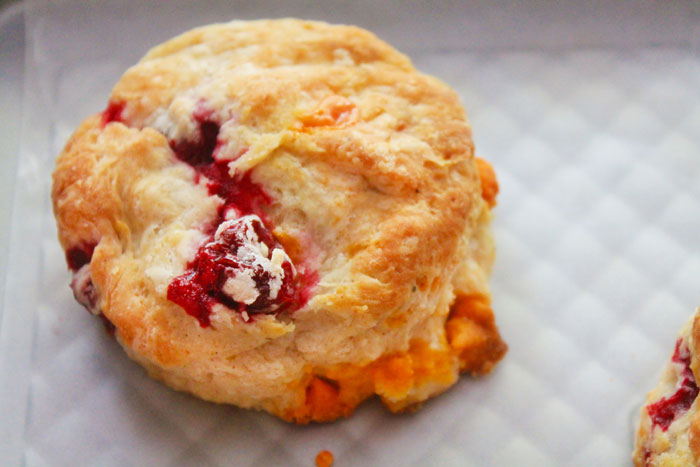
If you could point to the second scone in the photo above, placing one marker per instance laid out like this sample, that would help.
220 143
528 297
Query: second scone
284 215
668 433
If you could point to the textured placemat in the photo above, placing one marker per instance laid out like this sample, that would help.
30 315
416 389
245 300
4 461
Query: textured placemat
598 156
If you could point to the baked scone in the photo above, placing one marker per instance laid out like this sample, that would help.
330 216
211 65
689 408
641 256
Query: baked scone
669 427
284 215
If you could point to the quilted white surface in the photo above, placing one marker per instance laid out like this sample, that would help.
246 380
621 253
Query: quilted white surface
598 156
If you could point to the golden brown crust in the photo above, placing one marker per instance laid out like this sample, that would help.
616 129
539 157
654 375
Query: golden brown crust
374 187
472 333
694 435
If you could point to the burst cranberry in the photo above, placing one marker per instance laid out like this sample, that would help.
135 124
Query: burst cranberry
243 268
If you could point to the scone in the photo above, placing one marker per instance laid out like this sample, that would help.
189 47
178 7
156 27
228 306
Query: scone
284 215
669 427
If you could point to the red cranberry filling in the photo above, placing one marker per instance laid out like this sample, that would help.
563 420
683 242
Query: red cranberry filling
664 411
79 256
113 112
242 266
84 291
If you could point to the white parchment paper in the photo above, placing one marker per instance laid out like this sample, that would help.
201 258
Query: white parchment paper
590 115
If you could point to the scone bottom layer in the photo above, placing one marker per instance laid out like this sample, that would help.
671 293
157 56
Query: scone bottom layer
473 340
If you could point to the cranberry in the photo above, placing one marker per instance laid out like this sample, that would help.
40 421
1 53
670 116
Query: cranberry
664 411
79 256
199 151
113 112
243 268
